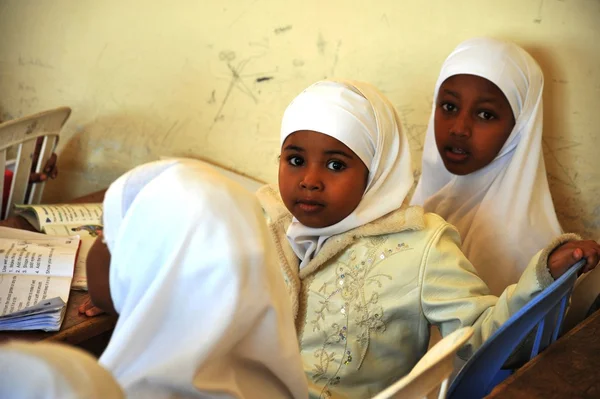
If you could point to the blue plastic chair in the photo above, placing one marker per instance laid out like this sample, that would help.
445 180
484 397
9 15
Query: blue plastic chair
545 312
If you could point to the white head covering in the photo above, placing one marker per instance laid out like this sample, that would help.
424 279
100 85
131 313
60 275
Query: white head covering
203 309
362 118
53 371
504 211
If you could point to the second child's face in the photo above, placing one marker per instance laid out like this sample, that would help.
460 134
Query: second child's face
321 180
472 121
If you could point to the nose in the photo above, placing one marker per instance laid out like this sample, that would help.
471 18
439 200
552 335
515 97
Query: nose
461 126
312 179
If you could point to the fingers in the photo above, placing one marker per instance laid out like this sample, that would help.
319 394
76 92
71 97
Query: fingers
87 304
590 250
88 308
50 171
569 254
37 177
592 261
94 311
50 163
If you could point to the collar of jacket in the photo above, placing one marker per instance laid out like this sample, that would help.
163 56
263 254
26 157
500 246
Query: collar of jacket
403 219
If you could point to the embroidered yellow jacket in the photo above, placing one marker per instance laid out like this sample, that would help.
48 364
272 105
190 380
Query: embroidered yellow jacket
364 305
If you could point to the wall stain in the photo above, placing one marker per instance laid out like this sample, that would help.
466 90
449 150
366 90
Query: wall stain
282 29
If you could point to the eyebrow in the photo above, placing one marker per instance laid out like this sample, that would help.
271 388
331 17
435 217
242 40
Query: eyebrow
296 148
338 152
489 100
480 100
292 147
452 93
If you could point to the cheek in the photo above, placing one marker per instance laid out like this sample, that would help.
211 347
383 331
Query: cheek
282 177
355 199
491 143
440 128
285 183
349 191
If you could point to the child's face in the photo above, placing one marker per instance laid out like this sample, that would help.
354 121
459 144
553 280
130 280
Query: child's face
472 121
321 181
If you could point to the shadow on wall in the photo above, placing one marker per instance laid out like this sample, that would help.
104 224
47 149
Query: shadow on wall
562 152
102 149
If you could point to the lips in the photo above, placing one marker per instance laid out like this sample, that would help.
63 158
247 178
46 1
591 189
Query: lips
309 205
456 153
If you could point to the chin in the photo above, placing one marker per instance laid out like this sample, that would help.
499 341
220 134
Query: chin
457 170
312 224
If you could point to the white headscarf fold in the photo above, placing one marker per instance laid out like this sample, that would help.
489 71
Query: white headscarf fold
203 309
362 118
504 211
53 371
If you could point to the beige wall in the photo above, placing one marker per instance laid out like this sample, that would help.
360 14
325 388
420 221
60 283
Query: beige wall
146 78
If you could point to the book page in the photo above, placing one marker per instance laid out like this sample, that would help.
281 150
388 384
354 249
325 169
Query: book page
50 305
34 267
88 234
48 215
44 256
20 291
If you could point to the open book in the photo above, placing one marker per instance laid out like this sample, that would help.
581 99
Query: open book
35 279
84 220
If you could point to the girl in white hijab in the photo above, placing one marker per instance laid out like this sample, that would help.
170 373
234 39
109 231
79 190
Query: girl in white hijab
203 311
483 166
367 274
357 115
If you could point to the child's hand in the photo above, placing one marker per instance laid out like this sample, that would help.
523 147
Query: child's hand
50 171
89 309
565 256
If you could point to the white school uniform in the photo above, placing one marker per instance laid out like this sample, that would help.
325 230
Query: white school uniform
203 310
53 371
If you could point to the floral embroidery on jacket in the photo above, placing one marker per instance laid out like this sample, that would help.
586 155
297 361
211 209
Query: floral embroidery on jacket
353 312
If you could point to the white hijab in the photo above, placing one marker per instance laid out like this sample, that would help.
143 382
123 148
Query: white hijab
504 212
362 118
203 309
53 371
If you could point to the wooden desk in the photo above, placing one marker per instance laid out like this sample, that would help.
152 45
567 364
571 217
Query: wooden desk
569 368
76 329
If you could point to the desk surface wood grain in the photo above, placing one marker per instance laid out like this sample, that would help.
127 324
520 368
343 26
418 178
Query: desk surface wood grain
569 368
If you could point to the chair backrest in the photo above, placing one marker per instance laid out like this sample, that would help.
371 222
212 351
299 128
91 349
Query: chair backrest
543 314
22 134
429 377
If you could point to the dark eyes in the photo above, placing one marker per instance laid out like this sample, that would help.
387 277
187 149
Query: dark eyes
336 165
295 160
448 107
333 165
485 115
